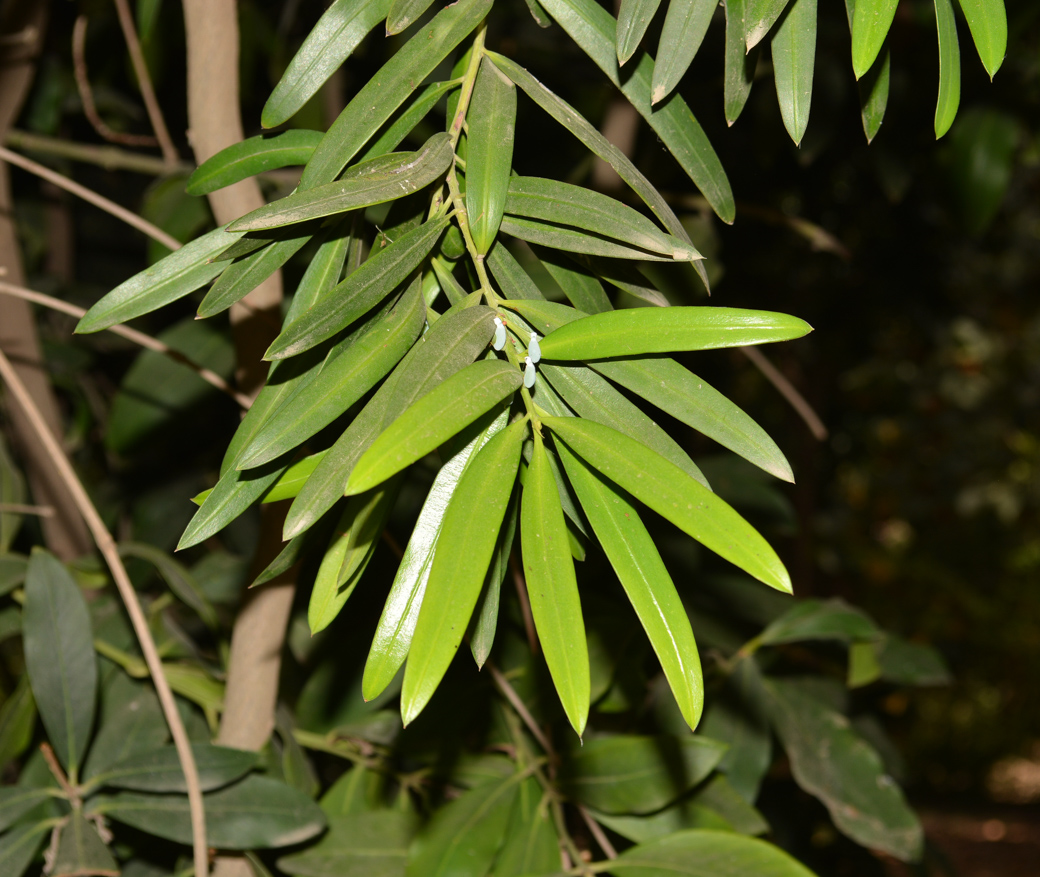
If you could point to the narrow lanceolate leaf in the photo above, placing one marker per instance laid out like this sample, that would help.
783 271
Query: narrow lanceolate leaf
81 850
435 418
663 330
464 549
873 87
403 12
359 292
404 122
634 17
489 157
870 26
244 275
987 20
515 282
171 278
594 29
337 33
564 204
794 58
699 852
759 17
59 656
553 589
254 155
375 181
486 623
231 496
390 87
159 770
581 286
324 270
561 237
674 495
949 67
634 557
681 36
739 64
353 367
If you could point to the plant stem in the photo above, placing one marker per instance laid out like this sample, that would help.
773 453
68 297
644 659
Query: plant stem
111 158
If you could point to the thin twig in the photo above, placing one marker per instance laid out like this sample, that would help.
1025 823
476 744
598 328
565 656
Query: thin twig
144 82
111 158
58 774
63 182
146 341
597 832
86 95
525 603
787 390
509 693
18 508
107 546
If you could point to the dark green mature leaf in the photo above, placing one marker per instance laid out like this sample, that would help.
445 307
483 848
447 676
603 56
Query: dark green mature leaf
390 87
793 48
159 770
17 721
59 656
12 572
12 491
233 494
515 282
482 637
256 813
873 90
580 286
638 565
910 663
820 619
326 266
403 12
16 801
464 549
362 290
18 847
531 844
739 65
634 17
983 146
988 22
594 29
831 761
244 275
870 26
404 121
177 577
561 237
697 853
433 419
553 589
759 17
683 31
949 67
489 155
171 278
683 815
373 844
131 721
81 851
633 774
673 494
254 155
462 837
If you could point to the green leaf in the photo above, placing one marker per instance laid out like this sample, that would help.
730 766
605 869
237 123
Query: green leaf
291 481
721 797
233 494
982 146
356 845
256 813
464 549
553 589
594 29
59 656
177 577
403 12
171 278
759 17
910 663
362 290
870 26
698 853
16 801
244 275
831 761
634 17
793 49
987 20
254 155
484 628
351 369
864 666
17 721
685 25
580 286
638 566
663 330
338 32
12 491
531 844
673 494
406 120
159 770
463 836
569 239
820 619
395 82
374 181
489 156
12 572
683 815
626 773
434 419
131 721
326 266
81 851
739 64
949 67
19 846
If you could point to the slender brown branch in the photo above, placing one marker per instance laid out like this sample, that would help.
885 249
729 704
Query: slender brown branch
146 341
525 603
107 546
509 693
58 773
788 390
144 82
100 201
20 508
597 832
111 158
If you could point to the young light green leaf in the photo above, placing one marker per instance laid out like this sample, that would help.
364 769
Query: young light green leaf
59 656
638 565
634 17
489 156
390 87
362 290
759 17
434 419
244 275
338 32
363 844
553 589
794 58
159 770
870 25
464 549
663 330
987 20
254 155
171 278
684 28
403 12
673 494
949 67
739 65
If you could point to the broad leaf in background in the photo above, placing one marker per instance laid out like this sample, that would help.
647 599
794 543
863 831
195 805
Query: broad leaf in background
82 851
360 844
159 770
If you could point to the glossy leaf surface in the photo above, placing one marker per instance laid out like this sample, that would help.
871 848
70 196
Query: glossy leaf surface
949 67
489 156
634 17
989 29
403 12
870 26
244 275
254 155
685 25
794 59
759 17
739 63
